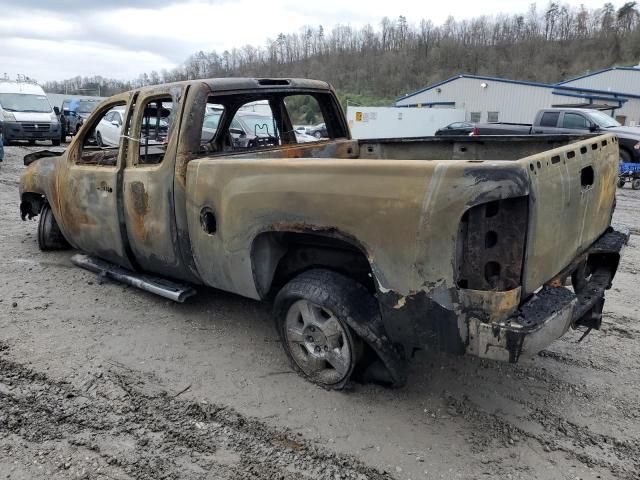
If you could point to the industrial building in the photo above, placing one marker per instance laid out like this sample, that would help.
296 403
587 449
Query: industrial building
615 91
616 79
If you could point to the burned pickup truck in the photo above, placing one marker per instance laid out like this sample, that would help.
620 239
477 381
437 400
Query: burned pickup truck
368 250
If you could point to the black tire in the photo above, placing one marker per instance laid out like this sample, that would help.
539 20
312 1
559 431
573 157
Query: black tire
338 298
99 140
49 235
625 157
621 183
636 184
56 142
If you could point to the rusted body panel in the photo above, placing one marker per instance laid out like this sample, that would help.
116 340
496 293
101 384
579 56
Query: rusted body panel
458 235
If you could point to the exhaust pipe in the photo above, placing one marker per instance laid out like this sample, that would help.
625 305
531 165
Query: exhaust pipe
149 283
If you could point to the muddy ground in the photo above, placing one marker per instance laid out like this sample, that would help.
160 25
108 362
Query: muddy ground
102 381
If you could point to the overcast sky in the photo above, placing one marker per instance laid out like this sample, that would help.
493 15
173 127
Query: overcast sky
54 40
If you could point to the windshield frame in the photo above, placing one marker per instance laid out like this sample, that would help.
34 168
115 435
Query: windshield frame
16 107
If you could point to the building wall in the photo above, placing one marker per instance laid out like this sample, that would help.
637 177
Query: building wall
625 81
514 102
390 122
56 99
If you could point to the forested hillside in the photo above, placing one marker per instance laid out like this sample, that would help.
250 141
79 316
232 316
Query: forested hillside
373 64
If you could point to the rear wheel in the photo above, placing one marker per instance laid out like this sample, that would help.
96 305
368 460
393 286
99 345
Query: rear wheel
310 313
317 134
49 235
621 183
636 184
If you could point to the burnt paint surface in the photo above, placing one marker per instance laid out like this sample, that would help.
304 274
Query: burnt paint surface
401 201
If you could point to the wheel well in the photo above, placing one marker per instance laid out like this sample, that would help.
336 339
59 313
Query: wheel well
31 204
277 257
627 150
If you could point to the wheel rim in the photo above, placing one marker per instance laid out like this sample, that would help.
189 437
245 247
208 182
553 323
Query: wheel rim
318 342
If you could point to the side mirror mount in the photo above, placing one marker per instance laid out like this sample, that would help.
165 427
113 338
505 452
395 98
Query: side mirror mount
593 127
66 111
115 123
236 131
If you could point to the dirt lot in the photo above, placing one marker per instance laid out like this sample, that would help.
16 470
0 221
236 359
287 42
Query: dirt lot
98 380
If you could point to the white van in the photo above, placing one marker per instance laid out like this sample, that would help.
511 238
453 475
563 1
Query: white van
26 114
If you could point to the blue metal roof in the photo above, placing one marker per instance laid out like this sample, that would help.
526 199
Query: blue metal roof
521 82
597 72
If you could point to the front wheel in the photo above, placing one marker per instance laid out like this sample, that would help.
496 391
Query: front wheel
621 183
49 235
636 184
310 314
317 134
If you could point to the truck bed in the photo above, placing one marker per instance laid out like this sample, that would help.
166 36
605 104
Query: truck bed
401 183
490 147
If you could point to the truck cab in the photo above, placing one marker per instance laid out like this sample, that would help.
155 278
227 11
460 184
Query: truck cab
585 121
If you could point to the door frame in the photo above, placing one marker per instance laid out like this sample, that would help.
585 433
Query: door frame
82 223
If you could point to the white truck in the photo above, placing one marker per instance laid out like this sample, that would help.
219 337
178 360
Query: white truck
26 114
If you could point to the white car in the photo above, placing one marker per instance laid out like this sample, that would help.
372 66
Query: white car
109 128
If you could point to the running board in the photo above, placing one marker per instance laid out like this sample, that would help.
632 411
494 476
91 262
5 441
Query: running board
160 286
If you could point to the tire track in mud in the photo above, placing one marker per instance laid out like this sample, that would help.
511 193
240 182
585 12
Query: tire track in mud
547 421
620 457
572 361
155 435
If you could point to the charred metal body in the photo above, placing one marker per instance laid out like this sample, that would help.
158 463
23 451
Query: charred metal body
461 242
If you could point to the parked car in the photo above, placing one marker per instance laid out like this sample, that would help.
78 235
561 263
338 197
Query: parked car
456 128
319 131
561 121
26 114
301 129
368 249
108 130
210 126
75 113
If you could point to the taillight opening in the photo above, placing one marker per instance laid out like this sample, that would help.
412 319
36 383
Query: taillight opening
491 245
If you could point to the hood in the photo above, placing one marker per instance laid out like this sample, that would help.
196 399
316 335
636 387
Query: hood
633 132
32 116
